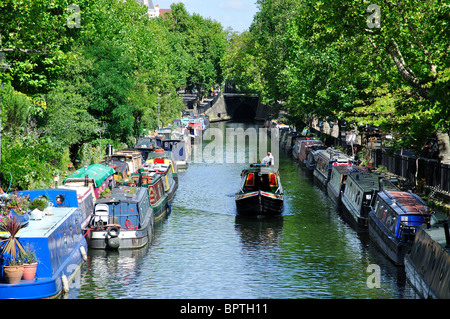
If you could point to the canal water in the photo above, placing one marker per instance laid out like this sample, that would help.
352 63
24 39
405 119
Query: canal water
203 250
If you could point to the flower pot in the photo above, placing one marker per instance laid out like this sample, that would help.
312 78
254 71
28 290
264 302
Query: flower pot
13 274
29 271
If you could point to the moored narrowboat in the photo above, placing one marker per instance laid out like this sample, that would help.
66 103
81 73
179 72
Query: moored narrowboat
159 199
394 221
99 176
336 184
359 194
60 247
123 221
165 168
427 264
260 192
326 159
306 146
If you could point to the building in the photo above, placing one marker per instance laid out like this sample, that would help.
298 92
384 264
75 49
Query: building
153 11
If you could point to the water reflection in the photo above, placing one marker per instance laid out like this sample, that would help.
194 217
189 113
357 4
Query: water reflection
203 250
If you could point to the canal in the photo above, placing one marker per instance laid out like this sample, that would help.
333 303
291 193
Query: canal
203 250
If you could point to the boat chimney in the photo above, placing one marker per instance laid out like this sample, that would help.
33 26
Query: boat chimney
447 234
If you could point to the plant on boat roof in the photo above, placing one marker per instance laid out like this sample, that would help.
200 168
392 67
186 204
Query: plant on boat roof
10 245
39 203
18 203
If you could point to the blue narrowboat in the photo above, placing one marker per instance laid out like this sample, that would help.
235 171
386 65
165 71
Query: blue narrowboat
122 221
59 244
394 221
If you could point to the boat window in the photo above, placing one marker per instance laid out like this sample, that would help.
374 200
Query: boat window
273 180
250 181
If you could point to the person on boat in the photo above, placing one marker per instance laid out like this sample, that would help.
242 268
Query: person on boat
268 160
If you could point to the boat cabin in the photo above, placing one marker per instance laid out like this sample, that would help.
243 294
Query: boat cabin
326 160
336 186
127 207
260 179
99 176
359 195
401 213
306 146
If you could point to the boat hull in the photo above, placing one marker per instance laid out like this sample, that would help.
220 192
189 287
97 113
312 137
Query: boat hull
259 203
126 239
389 246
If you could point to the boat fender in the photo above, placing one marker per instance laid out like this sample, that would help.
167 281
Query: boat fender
113 231
65 283
169 208
83 253
113 243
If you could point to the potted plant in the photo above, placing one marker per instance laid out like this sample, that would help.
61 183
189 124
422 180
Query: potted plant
29 263
39 203
11 250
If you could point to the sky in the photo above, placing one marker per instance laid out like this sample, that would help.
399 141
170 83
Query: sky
237 14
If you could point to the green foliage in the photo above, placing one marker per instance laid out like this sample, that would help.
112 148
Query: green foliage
322 59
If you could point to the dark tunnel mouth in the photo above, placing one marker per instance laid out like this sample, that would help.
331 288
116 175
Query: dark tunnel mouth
244 113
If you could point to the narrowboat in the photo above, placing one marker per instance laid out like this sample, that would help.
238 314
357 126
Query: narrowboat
60 248
326 160
394 221
306 146
180 151
260 192
336 184
145 145
66 196
427 264
99 176
168 171
156 158
311 161
125 162
359 196
159 199
122 221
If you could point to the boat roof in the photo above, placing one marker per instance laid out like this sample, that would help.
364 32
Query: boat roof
404 202
365 180
124 194
349 169
45 226
97 172
256 168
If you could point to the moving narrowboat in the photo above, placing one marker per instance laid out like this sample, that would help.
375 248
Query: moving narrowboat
60 248
260 192
99 176
326 159
336 185
427 264
123 221
394 221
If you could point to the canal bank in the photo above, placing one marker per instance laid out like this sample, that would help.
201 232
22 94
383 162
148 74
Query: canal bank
203 250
